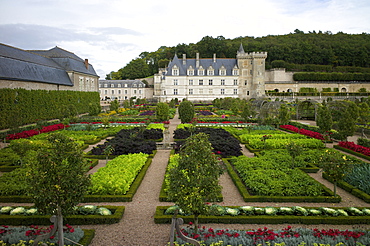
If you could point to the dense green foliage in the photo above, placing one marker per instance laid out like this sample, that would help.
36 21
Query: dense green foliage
57 175
317 51
194 180
162 111
17 106
186 111
307 76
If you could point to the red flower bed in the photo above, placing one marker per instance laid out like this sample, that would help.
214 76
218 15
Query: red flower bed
355 147
30 133
303 131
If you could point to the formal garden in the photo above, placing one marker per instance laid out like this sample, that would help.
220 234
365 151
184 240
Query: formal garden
66 167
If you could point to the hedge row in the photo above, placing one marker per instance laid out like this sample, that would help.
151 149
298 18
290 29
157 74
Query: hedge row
312 76
161 218
350 189
18 220
329 197
18 106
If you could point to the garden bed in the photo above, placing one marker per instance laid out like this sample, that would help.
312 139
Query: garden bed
17 220
247 197
161 218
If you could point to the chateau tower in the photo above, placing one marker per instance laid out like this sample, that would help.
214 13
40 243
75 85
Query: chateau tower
251 73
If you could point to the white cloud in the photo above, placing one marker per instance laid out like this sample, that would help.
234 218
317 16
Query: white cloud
113 32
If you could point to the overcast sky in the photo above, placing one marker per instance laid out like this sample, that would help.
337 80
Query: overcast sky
110 33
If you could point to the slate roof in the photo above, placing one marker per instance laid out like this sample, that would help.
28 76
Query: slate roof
49 66
229 65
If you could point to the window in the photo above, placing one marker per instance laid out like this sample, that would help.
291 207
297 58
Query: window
201 82
112 91
201 72
222 82
190 72
105 85
235 72
140 85
164 92
175 82
222 72
222 91
175 71
245 82
125 85
175 91
125 91
210 82
119 85
190 82
210 72
111 85
134 85
235 82
251 71
99 91
125 97
100 85
119 97
247 93
190 91
134 91
235 91
140 92
119 91
200 91
105 92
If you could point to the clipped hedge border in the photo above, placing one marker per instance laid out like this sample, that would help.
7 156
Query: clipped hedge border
96 198
88 237
352 152
17 220
350 189
161 218
249 198
8 168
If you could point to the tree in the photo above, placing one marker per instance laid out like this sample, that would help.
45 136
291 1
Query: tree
364 115
247 111
294 150
57 175
135 69
335 165
324 120
284 114
186 111
114 105
162 110
194 181
346 125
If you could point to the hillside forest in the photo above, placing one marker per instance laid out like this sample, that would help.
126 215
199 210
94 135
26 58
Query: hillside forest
297 51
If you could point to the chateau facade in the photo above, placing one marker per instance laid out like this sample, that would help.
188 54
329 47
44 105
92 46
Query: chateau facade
206 79
123 90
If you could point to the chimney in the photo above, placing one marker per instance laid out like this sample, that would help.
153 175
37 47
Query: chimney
184 59
214 57
197 61
87 63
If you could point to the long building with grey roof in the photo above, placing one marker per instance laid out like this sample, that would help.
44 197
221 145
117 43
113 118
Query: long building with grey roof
54 69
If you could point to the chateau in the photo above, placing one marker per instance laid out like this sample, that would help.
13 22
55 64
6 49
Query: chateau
206 79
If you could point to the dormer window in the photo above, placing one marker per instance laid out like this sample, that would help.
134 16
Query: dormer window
201 71
222 71
210 71
119 85
112 85
125 85
190 71
175 71
236 72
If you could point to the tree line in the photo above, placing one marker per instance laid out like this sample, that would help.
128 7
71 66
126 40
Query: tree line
326 50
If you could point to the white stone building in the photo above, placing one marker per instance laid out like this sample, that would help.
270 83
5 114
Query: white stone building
123 90
206 79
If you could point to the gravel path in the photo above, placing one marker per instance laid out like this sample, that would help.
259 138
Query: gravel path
137 228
